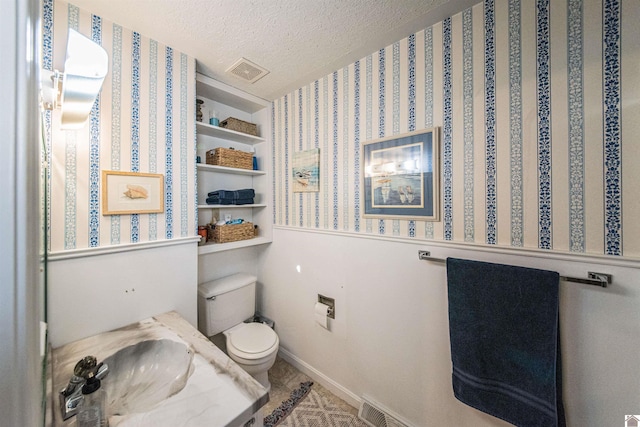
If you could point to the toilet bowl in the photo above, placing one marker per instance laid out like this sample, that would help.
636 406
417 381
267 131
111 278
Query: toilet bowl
253 346
223 307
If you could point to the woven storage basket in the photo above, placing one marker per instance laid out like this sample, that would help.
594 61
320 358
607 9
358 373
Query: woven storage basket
233 232
239 125
230 158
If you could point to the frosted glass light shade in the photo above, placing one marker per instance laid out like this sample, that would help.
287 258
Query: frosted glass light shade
85 68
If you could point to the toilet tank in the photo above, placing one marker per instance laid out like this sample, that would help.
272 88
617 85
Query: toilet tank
225 302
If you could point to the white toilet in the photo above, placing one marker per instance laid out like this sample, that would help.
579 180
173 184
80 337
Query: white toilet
223 306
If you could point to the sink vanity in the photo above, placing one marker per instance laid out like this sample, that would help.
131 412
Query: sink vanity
163 372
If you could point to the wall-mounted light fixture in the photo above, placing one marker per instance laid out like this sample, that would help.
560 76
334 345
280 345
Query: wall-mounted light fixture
75 90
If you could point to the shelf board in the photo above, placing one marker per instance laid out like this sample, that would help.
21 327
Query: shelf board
231 135
215 90
225 169
209 248
256 205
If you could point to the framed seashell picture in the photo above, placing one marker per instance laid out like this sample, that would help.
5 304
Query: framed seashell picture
132 193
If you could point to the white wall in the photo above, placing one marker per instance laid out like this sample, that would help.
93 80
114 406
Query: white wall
390 338
96 291
221 264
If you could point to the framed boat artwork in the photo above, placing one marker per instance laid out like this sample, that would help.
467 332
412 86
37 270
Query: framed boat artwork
306 171
401 176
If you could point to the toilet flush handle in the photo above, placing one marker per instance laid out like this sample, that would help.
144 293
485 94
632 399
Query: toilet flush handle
212 298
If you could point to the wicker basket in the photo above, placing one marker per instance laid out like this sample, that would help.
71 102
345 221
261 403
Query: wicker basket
239 125
230 158
233 232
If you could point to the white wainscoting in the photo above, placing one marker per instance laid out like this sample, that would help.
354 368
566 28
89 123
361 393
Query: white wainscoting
100 290
390 337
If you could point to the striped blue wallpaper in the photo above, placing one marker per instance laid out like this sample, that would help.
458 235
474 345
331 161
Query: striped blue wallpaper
447 131
490 121
142 121
536 148
515 122
576 124
611 34
544 124
47 64
135 124
94 159
467 94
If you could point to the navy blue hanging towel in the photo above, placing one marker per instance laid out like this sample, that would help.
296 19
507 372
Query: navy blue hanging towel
505 341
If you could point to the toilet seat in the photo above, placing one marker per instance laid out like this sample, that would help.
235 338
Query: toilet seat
252 341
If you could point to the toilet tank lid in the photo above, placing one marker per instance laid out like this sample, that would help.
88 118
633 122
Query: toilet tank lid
225 284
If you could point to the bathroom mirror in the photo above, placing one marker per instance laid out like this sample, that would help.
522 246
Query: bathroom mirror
74 92
42 251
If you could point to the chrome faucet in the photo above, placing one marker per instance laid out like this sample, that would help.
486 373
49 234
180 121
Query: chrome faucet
71 395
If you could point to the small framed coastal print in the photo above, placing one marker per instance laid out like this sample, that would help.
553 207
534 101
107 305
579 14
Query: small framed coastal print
401 176
306 171
132 193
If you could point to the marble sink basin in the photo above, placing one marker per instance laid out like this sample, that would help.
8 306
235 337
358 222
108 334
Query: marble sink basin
146 373
163 349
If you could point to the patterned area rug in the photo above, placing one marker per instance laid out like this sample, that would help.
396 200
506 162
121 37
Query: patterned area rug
306 407
286 407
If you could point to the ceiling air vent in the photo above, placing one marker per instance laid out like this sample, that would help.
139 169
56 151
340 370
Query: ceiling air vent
247 70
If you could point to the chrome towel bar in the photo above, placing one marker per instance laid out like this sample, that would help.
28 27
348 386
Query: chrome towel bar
596 279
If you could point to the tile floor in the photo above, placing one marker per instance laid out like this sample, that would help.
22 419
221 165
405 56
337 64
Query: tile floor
285 378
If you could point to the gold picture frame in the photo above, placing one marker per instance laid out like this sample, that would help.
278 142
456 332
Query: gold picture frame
132 193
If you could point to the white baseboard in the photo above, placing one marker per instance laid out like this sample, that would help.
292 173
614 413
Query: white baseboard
321 378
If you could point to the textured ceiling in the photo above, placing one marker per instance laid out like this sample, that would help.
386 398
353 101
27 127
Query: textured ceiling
298 41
